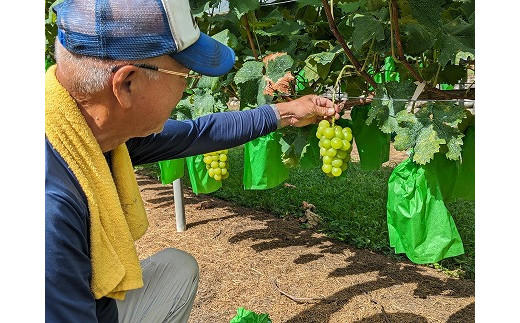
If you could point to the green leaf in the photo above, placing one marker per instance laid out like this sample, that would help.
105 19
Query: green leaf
400 90
448 113
366 28
226 38
208 82
428 143
416 39
458 36
455 147
203 104
241 7
318 65
282 28
427 12
251 70
248 93
314 3
277 67
348 7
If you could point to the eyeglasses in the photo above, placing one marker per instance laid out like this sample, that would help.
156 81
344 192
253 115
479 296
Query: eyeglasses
155 68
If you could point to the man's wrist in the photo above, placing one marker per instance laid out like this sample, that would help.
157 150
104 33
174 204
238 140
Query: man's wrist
278 117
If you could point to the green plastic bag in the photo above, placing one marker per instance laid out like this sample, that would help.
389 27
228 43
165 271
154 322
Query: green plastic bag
464 186
390 74
246 316
373 145
419 224
263 166
199 177
171 170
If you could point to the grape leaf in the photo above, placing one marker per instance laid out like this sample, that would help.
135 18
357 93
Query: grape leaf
241 7
251 70
318 65
226 38
202 104
315 3
458 36
208 82
348 7
366 28
427 12
448 113
277 67
455 147
416 39
428 143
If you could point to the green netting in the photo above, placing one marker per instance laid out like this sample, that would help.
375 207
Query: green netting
263 166
419 224
171 170
199 178
373 145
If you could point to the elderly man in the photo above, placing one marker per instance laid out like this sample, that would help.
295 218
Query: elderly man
121 69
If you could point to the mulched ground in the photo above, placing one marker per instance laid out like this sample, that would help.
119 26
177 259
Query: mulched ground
252 259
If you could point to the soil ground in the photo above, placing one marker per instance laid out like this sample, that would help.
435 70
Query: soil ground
266 264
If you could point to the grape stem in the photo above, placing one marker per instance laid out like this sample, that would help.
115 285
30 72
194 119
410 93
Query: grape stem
336 86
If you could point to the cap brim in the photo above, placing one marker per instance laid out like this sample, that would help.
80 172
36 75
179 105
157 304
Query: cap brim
207 57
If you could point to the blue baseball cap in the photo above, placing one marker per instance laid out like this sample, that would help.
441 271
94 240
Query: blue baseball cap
139 29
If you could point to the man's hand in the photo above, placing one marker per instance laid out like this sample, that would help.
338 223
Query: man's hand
306 110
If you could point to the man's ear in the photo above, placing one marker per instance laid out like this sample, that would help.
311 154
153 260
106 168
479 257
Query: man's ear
123 85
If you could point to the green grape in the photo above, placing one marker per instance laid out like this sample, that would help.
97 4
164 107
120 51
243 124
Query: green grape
207 159
335 146
324 124
326 168
325 143
217 171
223 171
341 154
331 152
211 172
217 177
346 145
336 162
328 133
214 158
327 159
323 151
223 157
336 143
222 164
214 164
226 175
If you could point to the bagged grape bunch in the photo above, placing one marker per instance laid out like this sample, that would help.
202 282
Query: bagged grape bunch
335 147
217 164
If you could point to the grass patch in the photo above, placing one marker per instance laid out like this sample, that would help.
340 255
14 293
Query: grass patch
353 208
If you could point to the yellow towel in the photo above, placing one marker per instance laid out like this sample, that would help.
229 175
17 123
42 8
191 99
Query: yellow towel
117 214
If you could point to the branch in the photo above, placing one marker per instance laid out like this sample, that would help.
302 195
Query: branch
347 50
394 23
248 30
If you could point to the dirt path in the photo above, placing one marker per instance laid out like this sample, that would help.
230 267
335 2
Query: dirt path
242 253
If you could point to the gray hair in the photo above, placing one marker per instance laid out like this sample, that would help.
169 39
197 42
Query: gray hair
89 74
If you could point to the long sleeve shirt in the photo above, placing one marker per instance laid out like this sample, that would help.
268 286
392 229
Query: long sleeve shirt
68 271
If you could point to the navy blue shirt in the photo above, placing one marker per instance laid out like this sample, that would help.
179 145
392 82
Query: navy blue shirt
68 297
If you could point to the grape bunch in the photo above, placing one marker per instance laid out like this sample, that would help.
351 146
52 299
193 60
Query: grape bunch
335 147
217 164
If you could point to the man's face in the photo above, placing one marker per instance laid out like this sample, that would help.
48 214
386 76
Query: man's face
159 97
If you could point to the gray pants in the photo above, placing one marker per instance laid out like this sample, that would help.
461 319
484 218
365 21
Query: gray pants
171 279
